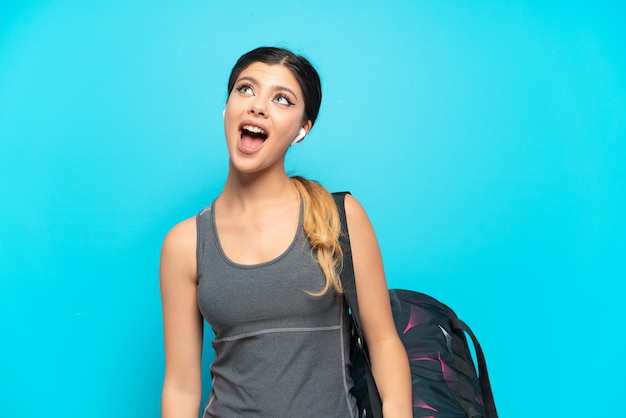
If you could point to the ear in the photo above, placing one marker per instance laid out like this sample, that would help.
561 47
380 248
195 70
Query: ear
302 132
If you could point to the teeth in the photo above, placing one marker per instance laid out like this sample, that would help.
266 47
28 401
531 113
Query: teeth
253 129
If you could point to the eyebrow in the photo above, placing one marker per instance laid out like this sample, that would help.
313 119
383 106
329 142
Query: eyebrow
275 87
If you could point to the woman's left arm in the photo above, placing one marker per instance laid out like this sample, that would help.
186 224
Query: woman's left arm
390 365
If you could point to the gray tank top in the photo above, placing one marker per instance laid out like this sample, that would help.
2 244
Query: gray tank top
279 352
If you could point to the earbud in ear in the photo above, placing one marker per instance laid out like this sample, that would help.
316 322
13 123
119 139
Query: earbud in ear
223 112
301 135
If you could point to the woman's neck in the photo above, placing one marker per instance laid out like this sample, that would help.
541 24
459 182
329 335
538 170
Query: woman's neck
250 190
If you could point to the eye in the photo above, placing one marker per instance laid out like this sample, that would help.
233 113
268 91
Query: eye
245 89
283 100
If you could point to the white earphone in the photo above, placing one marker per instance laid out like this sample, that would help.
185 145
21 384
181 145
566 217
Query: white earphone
301 135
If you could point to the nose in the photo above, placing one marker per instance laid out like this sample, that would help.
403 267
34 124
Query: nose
258 108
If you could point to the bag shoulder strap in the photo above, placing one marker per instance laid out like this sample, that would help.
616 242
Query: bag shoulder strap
349 292
347 272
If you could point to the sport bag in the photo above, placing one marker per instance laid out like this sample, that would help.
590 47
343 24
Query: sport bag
445 383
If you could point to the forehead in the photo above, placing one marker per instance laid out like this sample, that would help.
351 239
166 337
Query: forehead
275 75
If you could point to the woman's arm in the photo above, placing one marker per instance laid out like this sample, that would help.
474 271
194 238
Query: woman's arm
182 323
390 365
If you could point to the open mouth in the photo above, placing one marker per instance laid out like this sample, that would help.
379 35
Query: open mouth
252 138
254 132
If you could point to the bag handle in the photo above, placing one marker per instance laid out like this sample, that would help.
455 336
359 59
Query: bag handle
349 292
483 376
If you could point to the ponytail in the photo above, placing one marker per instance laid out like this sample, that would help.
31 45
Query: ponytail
322 226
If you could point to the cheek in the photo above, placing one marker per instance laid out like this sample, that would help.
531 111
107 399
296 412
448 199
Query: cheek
231 131
229 115
233 104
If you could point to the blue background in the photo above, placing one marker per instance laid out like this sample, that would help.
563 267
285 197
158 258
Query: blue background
485 138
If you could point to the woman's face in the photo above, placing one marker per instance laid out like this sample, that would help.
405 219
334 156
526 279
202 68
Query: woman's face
264 113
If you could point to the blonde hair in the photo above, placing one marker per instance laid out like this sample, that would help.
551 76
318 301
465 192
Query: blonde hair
322 226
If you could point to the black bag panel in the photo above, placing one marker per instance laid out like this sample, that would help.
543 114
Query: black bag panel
445 382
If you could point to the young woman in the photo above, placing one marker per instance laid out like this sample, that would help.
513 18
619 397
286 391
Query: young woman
260 265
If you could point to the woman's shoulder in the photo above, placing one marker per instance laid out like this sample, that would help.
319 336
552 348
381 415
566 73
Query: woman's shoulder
181 237
355 212
178 253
